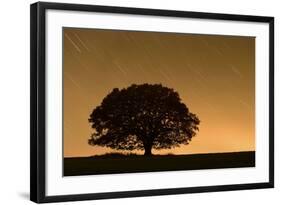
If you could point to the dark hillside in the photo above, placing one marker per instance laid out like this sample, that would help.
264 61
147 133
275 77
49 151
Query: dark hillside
118 163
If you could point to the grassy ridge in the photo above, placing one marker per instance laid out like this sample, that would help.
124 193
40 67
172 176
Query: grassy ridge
118 163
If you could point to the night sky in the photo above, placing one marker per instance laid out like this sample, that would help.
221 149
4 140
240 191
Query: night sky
214 76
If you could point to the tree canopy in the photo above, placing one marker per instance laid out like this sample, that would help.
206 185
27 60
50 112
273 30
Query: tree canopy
142 117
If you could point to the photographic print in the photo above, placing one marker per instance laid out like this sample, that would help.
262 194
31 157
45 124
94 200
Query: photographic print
143 101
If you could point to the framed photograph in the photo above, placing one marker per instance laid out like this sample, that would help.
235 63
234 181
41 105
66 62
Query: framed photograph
129 102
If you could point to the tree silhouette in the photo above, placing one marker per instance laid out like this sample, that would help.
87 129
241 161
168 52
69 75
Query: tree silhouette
142 117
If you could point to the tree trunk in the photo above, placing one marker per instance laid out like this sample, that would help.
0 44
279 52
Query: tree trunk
147 150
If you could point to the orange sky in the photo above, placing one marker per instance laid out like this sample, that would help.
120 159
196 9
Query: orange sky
214 76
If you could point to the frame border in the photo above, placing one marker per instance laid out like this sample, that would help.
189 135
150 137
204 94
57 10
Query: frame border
38 104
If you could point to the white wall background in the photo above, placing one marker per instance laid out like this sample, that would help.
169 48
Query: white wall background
14 101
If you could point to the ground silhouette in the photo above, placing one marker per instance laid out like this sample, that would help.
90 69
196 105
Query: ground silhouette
111 163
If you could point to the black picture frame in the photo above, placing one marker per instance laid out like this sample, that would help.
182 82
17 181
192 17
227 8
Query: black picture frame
38 101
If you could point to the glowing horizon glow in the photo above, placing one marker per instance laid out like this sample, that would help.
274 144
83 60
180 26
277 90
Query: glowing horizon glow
214 76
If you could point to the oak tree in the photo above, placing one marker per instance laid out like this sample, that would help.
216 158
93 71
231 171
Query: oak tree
142 117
